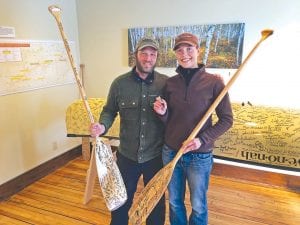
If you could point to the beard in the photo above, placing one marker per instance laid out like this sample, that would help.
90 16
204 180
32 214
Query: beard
144 69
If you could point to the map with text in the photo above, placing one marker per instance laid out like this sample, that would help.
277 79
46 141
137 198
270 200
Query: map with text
30 65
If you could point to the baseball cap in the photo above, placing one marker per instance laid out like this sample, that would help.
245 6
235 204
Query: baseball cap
186 38
147 42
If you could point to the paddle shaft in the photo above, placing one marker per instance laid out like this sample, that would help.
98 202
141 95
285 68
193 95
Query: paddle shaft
55 11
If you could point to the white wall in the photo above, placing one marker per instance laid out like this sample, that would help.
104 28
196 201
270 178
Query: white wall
32 123
103 41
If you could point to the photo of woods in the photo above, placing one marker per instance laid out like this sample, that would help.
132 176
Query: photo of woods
221 45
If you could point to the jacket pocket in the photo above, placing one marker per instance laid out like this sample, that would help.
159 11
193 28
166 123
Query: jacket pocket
129 108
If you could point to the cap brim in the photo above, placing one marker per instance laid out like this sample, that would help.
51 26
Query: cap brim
184 42
148 45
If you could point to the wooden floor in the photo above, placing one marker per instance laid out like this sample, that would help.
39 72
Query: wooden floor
57 199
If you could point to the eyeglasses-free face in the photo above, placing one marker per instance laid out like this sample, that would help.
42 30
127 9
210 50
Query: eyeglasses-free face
146 60
187 56
188 49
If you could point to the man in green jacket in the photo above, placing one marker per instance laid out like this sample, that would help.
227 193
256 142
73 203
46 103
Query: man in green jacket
141 132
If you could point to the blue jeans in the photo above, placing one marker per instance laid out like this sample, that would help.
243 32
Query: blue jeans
195 168
131 172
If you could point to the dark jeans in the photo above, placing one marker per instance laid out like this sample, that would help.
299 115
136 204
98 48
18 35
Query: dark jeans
195 169
131 172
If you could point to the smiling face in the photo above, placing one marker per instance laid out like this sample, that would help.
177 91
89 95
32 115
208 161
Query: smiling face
187 55
145 61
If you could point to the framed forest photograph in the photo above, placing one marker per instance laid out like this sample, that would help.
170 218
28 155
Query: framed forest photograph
221 45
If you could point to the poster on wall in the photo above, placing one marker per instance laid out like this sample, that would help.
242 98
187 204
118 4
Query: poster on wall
30 65
221 45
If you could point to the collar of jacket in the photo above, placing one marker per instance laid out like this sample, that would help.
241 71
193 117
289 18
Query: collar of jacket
184 71
188 73
148 80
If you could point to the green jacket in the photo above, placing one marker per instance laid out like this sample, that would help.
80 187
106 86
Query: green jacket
141 131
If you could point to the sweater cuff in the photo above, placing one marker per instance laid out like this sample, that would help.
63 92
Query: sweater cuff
201 140
105 129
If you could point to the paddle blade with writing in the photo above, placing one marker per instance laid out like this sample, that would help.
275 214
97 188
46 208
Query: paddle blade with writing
150 195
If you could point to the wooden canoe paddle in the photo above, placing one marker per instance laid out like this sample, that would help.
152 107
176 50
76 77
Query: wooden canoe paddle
157 186
110 179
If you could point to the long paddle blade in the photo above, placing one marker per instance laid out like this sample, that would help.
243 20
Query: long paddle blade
110 179
154 190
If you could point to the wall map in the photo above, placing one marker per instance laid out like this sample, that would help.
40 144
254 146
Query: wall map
29 65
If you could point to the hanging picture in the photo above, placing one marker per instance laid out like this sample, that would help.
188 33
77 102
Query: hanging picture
221 45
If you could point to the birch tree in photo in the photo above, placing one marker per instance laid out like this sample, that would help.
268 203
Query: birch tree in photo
228 33
200 32
219 28
240 38
131 40
209 36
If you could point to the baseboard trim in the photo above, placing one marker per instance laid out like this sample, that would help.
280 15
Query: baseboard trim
276 180
17 184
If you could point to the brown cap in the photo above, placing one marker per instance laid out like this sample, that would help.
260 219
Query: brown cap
146 42
186 38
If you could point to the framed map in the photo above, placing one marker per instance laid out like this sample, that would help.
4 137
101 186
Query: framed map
30 65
